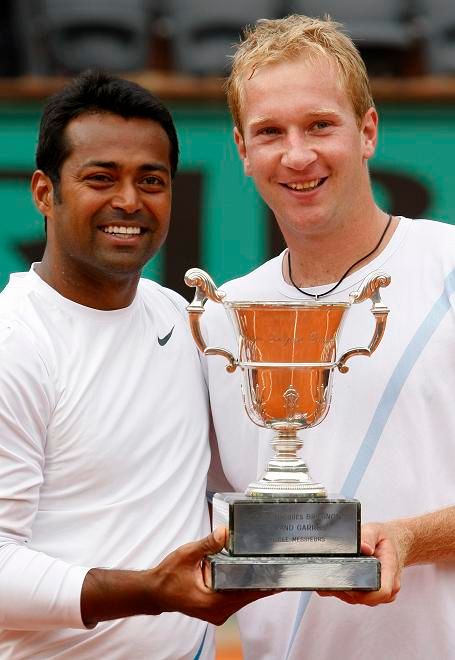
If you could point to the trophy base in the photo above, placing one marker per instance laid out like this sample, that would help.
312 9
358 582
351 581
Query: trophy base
225 572
288 526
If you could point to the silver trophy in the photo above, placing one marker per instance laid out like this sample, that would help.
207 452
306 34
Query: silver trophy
286 531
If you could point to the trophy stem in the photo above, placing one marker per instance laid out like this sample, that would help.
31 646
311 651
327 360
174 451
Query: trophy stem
287 474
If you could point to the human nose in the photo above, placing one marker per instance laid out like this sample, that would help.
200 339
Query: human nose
127 198
298 152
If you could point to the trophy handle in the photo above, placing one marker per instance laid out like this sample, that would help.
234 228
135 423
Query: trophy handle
369 289
205 290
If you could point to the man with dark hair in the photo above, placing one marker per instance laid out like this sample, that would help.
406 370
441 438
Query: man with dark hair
103 411
98 93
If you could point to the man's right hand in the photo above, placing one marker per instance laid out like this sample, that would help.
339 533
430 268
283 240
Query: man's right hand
175 585
182 584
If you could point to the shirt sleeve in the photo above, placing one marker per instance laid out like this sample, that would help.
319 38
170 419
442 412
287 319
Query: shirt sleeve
38 591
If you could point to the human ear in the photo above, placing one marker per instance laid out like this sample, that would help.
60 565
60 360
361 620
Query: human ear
42 192
241 148
369 132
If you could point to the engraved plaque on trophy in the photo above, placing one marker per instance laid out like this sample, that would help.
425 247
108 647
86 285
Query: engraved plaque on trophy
285 532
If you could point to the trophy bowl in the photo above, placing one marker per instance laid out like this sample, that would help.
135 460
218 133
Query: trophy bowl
287 352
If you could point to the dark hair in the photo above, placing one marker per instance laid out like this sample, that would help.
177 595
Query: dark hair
96 92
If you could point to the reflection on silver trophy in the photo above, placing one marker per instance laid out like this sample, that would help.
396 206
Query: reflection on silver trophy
287 352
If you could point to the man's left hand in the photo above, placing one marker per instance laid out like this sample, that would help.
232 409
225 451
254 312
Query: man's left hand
387 542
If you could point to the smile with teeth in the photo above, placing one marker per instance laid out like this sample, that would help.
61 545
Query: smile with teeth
121 230
306 185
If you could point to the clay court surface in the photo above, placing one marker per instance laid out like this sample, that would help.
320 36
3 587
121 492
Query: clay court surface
227 642
229 653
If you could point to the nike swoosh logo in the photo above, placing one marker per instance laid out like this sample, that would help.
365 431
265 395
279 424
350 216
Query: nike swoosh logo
164 340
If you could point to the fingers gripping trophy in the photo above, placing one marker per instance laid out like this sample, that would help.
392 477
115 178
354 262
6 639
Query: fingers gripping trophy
285 531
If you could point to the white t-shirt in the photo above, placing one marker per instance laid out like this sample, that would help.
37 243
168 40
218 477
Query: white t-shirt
388 439
103 461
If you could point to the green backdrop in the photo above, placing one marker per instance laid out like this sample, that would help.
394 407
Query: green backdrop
412 174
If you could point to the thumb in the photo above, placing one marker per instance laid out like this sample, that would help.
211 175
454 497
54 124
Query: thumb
366 549
212 543
216 540
369 539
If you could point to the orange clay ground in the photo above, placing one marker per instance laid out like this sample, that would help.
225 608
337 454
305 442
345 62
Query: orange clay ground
227 642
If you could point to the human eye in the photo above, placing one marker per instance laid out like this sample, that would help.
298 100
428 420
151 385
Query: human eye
321 124
153 182
99 179
268 130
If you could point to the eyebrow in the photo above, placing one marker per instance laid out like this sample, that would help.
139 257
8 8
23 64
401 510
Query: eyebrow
323 112
112 165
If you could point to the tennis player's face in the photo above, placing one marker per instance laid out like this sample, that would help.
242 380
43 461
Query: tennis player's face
111 211
303 147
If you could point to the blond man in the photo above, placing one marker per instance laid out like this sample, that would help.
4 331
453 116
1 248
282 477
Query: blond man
306 128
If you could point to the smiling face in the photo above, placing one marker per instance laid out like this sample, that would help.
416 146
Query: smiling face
304 148
111 211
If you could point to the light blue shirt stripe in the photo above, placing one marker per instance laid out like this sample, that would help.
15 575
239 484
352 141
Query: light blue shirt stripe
385 406
198 654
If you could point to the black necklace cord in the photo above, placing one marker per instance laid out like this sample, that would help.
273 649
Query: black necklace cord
326 293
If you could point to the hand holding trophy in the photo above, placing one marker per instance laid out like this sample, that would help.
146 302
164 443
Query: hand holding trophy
285 532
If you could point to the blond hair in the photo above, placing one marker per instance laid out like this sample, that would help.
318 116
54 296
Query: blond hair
272 41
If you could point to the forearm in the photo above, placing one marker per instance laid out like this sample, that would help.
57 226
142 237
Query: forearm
428 538
113 594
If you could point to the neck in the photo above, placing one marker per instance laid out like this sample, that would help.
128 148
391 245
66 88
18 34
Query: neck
317 260
104 293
